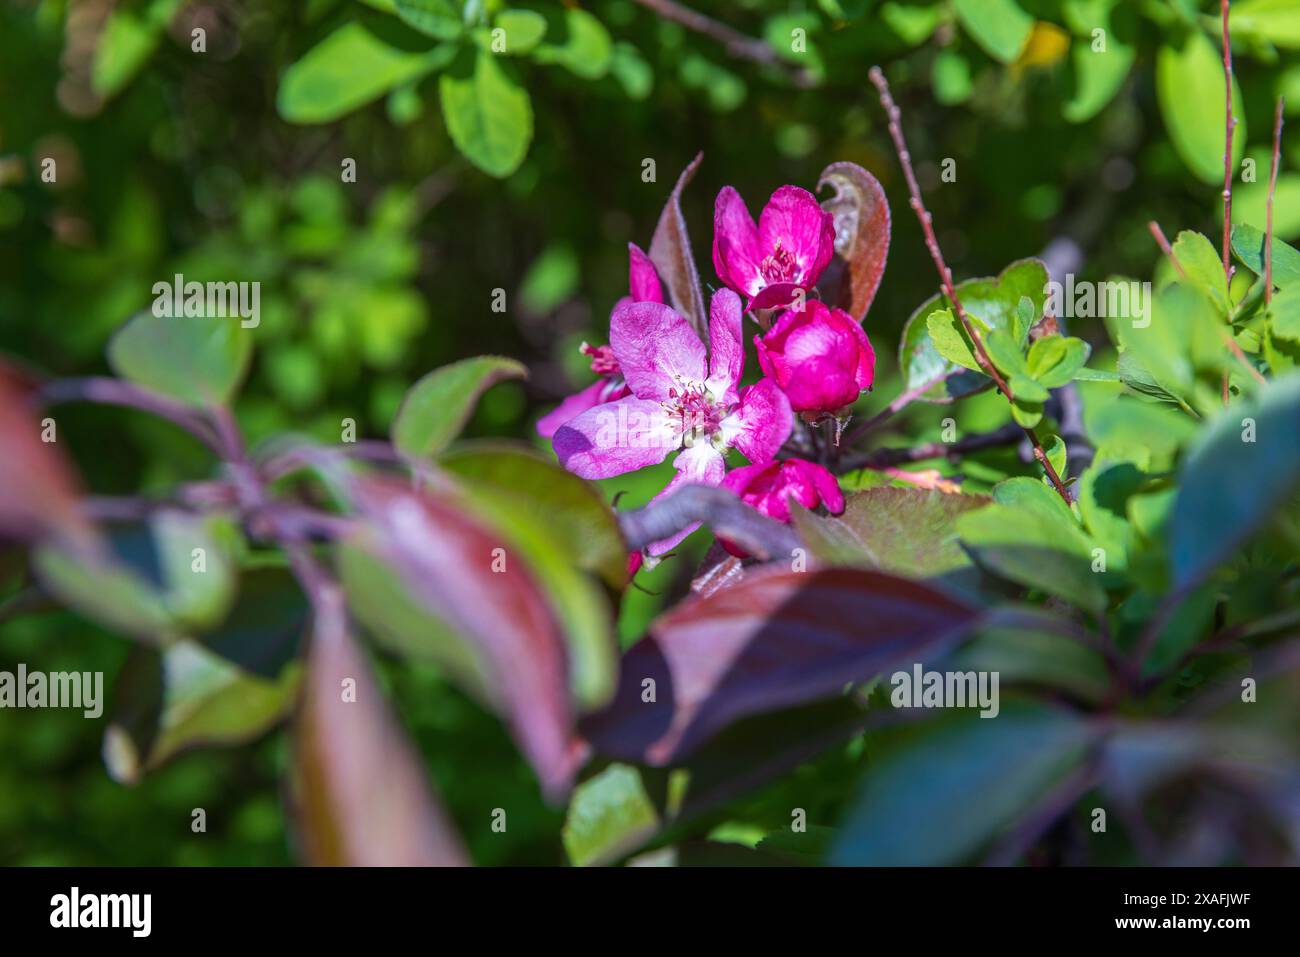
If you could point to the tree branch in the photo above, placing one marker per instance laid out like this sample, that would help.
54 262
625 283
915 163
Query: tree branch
728 516
106 391
733 41
1272 188
885 458
945 274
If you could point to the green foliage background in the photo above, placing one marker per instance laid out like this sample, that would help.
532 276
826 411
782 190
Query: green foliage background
171 161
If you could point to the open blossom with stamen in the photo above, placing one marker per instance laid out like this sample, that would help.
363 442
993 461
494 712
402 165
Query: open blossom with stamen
644 286
820 357
680 399
787 251
769 489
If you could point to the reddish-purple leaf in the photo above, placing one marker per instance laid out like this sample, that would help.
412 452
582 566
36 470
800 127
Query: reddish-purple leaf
774 640
463 575
39 489
861 214
361 793
670 251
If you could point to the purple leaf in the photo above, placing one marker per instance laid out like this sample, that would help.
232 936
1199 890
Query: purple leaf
861 214
362 796
670 251
481 594
774 640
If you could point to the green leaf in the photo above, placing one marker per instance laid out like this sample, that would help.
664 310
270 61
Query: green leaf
1244 466
951 78
1030 543
950 339
1027 648
609 816
1275 21
197 360
127 41
1189 87
1000 27
632 72
914 25
1204 268
1099 74
1250 205
994 302
437 407
1184 336
488 113
1055 360
436 18
586 47
909 532
1248 244
1055 450
958 783
348 69
1007 354
575 513
523 30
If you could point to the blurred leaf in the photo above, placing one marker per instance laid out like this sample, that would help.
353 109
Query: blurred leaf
524 29
198 360
1250 201
40 486
959 783
914 25
951 78
585 50
631 70
346 740
862 231
437 407
1248 244
909 532
1099 73
1000 27
1189 86
490 619
770 641
1276 21
348 69
551 279
1037 655
128 40
670 251
1244 466
488 113
610 815
436 18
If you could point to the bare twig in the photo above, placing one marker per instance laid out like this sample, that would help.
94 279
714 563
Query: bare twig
727 515
1272 188
1230 124
733 41
945 274
885 458
1165 248
904 399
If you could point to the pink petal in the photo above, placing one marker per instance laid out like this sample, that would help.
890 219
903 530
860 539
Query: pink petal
776 295
738 480
761 422
656 349
866 369
793 219
615 437
726 350
642 279
571 408
822 481
699 465
736 250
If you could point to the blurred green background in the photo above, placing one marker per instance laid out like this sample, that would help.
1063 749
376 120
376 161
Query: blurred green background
175 161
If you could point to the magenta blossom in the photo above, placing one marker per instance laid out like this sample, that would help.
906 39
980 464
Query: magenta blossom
819 357
769 489
643 284
787 251
680 400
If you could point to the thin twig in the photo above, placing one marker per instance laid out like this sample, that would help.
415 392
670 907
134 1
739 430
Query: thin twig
1272 188
901 402
733 41
1230 124
945 274
106 391
885 458
727 515
1165 248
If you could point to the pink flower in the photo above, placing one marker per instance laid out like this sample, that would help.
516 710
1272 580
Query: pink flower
679 400
787 251
769 488
643 283
819 357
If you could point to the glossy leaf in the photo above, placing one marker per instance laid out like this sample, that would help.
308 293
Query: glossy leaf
437 407
771 641
1248 244
862 232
